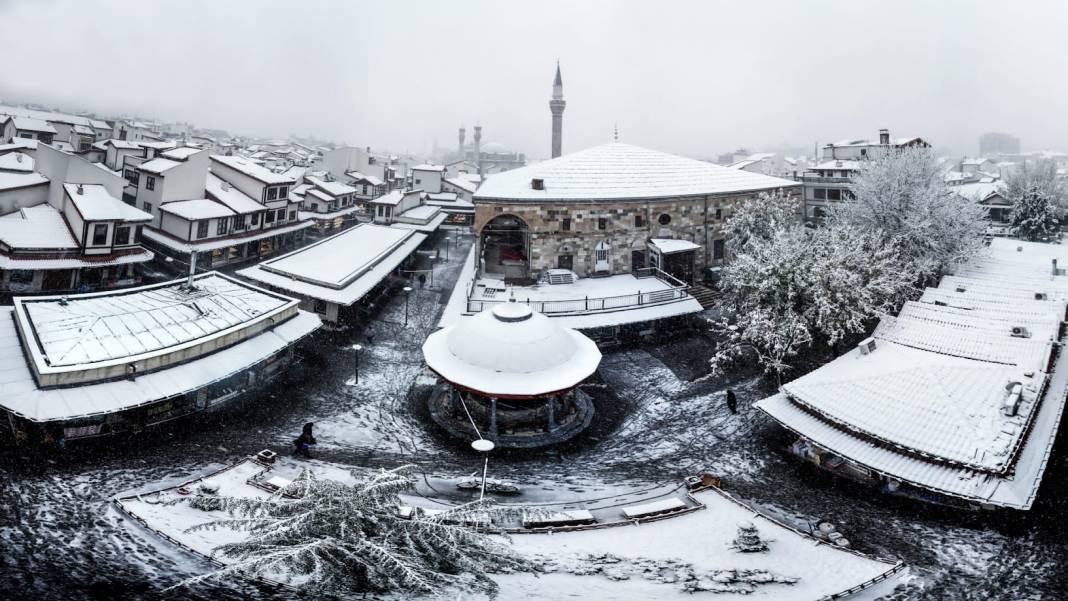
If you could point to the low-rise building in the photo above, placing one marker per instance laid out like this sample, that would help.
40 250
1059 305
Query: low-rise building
329 204
88 365
335 273
26 128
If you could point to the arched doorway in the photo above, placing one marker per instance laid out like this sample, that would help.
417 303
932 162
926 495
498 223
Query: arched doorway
506 248
602 263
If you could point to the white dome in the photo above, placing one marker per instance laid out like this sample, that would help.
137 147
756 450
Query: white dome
511 351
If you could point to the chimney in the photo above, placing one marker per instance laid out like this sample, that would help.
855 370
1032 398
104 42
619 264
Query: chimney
81 190
884 137
538 183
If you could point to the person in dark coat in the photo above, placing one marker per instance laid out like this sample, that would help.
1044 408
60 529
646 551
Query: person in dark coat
303 442
369 333
732 401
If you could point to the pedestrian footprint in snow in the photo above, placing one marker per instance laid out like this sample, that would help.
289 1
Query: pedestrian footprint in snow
304 442
732 401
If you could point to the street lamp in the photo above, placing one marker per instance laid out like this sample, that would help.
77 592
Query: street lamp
448 239
356 348
407 293
483 446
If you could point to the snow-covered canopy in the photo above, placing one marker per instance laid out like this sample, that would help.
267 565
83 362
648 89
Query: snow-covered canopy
669 246
95 203
511 351
622 171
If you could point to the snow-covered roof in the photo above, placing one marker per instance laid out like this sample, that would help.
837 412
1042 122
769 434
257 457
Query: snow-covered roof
392 198
222 191
427 225
253 170
462 183
668 246
95 203
16 161
180 154
511 351
123 144
23 397
19 144
85 130
843 164
370 179
443 196
927 405
37 227
426 167
158 165
342 268
979 191
309 191
29 124
622 171
334 188
199 208
12 180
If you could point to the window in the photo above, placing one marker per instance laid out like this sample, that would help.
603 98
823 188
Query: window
202 229
834 194
365 189
719 214
819 193
283 192
418 181
255 219
132 176
565 224
239 223
148 207
272 193
221 225
638 221
150 183
100 234
292 215
26 135
315 206
602 223
281 214
717 250
268 217
863 152
122 235
664 219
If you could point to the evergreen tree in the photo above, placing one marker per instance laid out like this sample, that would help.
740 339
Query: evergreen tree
1034 215
334 538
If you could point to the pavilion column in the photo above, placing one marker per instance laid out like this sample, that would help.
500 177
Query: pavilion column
493 418
551 409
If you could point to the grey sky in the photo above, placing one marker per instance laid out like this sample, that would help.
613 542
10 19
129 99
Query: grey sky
694 78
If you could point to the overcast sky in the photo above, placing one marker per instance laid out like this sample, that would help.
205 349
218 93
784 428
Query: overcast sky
693 78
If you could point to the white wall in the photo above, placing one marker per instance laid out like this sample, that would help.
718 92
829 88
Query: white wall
13 200
247 184
428 181
62 168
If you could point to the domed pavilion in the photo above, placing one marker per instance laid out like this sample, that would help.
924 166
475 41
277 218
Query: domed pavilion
513 374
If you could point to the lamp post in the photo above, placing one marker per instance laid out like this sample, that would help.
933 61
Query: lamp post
484 447
356 348
407 293
448 239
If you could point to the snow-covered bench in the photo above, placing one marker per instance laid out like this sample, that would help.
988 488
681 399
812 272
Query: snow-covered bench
645 510
576 517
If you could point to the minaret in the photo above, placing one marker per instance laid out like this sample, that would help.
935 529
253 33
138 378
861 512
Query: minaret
463 131
478 148
556 105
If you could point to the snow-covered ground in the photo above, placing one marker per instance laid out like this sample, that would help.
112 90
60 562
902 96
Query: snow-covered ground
657 419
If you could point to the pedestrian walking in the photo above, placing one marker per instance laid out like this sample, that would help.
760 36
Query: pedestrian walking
732 401
369 333
302 444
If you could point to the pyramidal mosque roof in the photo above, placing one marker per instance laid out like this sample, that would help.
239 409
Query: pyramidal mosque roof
621 171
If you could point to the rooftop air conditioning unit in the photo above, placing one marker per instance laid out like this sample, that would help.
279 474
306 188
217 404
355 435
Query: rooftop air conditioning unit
1012 402
1040 296
1021 332
867 346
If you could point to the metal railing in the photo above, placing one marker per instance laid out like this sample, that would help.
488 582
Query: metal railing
676 292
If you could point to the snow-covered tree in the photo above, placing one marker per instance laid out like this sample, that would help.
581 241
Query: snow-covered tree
333 538
902 197
802 286
1034 217
760 217
1040 176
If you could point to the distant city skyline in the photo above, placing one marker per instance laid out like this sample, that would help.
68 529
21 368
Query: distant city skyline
698 79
